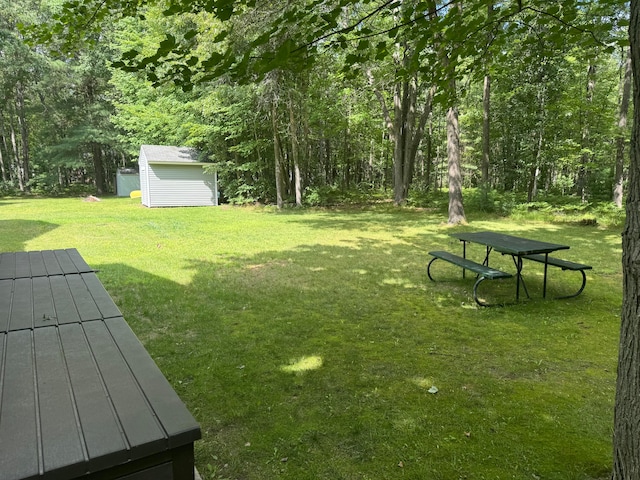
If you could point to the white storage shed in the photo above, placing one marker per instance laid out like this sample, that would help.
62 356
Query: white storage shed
173 177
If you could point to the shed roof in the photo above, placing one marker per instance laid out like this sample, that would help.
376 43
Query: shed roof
170 154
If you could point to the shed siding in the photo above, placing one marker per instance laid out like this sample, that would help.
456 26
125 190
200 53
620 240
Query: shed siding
178 186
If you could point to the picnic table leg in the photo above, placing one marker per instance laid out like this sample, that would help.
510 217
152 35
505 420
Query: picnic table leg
544 283
464 255
519 277
486 257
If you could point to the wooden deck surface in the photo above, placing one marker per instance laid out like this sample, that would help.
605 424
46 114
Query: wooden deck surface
79 394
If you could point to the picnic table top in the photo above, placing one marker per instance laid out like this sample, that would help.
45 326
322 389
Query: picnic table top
509 244
78 391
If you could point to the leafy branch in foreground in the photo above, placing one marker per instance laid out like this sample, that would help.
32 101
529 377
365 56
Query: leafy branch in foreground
329 24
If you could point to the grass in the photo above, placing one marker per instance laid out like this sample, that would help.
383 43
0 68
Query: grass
306 342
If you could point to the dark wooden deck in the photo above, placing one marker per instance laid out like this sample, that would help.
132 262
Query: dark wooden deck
79 395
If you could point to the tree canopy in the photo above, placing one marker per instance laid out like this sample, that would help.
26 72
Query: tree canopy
352 86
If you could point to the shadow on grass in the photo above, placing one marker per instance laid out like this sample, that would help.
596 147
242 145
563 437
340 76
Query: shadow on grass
16 233
525 390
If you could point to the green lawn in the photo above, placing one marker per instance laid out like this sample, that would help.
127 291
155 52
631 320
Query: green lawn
306 342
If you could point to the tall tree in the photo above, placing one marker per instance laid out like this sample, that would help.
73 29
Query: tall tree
486 111
626 434
405 125
586 119
621 134
20 69
456 208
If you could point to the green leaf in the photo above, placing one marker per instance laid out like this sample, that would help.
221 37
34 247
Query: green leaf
167 45
130 54
190 34
214 59
221 36
352 59
363 45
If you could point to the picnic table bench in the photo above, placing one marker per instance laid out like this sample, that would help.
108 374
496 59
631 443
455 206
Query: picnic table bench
483 272
564 265
80 397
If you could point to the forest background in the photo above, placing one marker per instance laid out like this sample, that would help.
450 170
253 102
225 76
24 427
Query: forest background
374 112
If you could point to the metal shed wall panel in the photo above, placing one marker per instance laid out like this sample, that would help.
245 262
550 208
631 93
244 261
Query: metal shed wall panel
126 183
181 186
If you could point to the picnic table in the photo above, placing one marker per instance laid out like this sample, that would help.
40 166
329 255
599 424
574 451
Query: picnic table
80 397
519 248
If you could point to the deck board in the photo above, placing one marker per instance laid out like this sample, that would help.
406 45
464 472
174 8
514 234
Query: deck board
177 421
66 311
6 291
7 266
139 423
56 406
37 266
78 262
23 269
19 415
21 305
51 263
100 296
44 313
86 306
103 437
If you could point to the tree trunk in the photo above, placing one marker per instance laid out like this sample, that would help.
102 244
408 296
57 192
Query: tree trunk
586 141
486 103
405 130
486 110
456 209
429 148
409 123
626 434
295 153
98 167
622 131
17 163
416 138
398 144
532 191
3 145
277 154
24 137
346 157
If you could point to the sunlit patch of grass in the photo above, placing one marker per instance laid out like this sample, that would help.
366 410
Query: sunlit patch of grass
303 364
